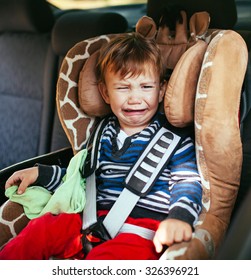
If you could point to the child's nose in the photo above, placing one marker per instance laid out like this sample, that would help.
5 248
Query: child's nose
134 97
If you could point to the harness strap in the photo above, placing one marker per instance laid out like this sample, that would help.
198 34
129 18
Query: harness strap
138 182
90 210
152 161
141 178
141 231
90 214
120 211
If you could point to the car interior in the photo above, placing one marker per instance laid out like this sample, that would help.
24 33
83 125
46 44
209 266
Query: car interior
37 40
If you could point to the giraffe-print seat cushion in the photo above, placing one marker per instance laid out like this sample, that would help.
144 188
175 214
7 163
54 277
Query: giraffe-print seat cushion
211 100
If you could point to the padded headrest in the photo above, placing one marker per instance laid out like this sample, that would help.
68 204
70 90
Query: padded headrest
25 15
180 94
85 25
223 13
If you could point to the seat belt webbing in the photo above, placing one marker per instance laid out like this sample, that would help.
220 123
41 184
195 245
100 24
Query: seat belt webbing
127 199
154 158
141 231
149 165
120 211
90 210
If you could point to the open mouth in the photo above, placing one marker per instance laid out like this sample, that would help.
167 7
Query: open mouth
134 110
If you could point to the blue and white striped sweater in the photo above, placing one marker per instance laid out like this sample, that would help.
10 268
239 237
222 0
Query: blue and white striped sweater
177 192
178 185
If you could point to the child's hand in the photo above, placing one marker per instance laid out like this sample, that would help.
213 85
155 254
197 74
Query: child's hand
22 178
171 231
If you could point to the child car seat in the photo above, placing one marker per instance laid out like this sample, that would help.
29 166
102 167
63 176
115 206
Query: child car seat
201 91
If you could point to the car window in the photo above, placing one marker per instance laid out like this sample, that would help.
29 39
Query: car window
90 4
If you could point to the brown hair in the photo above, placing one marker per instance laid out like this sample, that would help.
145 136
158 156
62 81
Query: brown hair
128 53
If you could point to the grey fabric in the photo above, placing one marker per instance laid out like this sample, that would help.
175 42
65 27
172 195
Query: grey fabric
22 64
76 26
23 59
19 139
28 71
244 15
25 15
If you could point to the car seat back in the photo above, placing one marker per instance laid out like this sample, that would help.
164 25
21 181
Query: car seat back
200 90
27 63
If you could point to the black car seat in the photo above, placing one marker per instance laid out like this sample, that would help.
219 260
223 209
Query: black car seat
27 70
243 15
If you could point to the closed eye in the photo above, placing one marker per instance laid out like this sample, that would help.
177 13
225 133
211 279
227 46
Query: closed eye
148 86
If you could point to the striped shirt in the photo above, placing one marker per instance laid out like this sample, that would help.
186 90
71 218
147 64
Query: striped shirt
177 193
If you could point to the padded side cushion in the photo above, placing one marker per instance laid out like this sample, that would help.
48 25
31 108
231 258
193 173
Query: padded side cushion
181 89
219 152
90 98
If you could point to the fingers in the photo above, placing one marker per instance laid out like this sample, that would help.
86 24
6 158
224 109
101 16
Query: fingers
178 236
171 231
13 180
162 237
187 234
19 179
158 245
23 179
23 186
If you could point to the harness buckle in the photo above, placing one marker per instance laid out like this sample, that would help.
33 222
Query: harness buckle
93 236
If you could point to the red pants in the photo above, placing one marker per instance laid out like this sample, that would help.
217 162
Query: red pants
59 236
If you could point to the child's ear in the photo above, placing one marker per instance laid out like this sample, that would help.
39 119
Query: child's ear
104 93
163 86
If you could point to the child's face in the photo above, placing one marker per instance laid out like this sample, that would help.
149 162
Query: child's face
133 99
